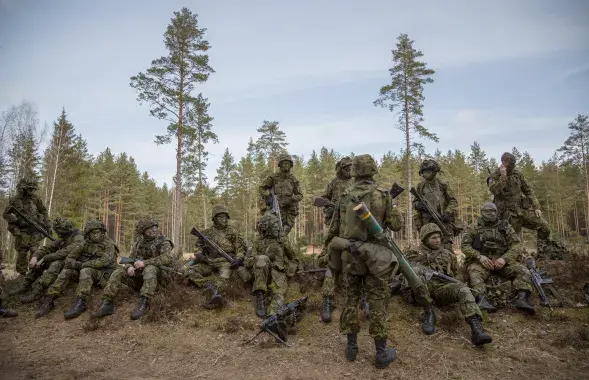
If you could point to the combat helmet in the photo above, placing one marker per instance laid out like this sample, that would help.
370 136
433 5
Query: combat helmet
345 161
94 225
219 209
364 166
27 183
285 157
429 164
63 226
267 222
145 223
427 230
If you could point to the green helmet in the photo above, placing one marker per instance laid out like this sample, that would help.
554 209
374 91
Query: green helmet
345 161
429 164
145 223
285 157
94 225
364 166
427 230
63 226
27 183
220 209
268 224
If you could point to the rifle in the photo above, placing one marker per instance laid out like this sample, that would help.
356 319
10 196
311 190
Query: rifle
315 270
32 223
276 324
211 244
395 190
435 216
429 273
132 260
538 281
276 208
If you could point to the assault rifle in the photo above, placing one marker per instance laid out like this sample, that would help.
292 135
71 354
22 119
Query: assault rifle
429 273
31 223
277 324
538 280
436 218
211 244
132 260
314 270
395 191
276 208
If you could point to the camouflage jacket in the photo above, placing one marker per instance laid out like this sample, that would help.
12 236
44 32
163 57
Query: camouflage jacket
32 207
228 239
439 195
278 251
441 260
61 248
157 251
287 190
101 255
336 188
512 193
494 241
347 225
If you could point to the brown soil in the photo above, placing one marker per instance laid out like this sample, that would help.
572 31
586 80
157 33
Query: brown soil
179 340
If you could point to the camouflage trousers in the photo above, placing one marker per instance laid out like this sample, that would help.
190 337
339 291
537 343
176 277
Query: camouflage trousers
377 290
447 294
529 220
267 276
217 272
44 275
23 243
146 281
86 278
328 286
516 272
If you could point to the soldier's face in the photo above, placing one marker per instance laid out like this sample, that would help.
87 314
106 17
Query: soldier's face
347 171
95 236
151 232
428 174
489 214
221 220
285 166
434 241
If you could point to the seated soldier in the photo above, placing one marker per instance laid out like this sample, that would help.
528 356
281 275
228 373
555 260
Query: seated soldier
212 271
491 245
91 264
153 250
433 255
271 255
48 261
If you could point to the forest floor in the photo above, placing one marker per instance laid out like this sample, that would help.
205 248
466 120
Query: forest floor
179 340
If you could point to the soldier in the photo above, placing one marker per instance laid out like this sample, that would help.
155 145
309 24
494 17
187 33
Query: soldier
287 190
439 195
26 237
91 264
269 261
212 271
4 313
516 201
433 255
366 266
48 261
333 193
153 249
491 245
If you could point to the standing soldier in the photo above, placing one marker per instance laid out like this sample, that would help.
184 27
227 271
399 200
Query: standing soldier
287 190
366 266
441 198
48 261
491 245
333 193
151 250
516 201
269 262
213 271
26 237
91 264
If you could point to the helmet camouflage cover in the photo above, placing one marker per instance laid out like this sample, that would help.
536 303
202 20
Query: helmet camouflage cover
220 209
267 224
27 183
94 225
345 161
429 164
62 225
364 166
427 230
285 157
145 223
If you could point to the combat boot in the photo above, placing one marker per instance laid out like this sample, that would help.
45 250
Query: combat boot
485 304
47 305
5 313
429 320
23 288
142 308
395 287
36 293
327 308
522 302
260 303
384 355
106 308
352 347
216 300
478 336
77 308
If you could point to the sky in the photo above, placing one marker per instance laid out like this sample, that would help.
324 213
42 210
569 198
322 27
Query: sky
508 73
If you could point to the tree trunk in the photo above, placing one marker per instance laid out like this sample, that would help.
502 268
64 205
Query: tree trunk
584 158
409 176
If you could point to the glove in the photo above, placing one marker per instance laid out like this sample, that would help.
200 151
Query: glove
237 263
419 206
538 213
12 218
200 258
72 264
447 217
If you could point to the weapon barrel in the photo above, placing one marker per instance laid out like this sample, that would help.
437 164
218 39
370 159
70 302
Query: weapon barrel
127 260
276 208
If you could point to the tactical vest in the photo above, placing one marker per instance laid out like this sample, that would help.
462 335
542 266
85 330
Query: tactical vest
339 187
221 238
491 240
433 192
439 260
510 198
374 197
92 250
148 249
284 187
29 207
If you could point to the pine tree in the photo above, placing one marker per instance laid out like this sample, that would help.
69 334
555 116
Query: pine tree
224 173
272 142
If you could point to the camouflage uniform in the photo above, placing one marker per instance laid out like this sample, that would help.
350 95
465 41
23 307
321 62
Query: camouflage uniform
439 195
4 313
212 271
154 251
91 264
287 190
365 270
517 203
271 254
40 277
494 239
26 238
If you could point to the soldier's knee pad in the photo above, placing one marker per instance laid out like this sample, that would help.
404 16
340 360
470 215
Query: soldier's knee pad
225 273
262 261
55 266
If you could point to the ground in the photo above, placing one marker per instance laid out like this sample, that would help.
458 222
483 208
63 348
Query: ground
179 340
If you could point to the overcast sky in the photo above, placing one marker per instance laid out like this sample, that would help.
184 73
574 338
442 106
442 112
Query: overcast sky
507 72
